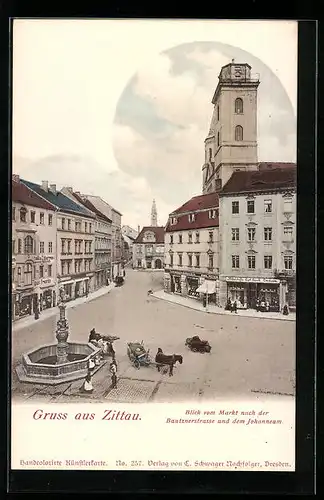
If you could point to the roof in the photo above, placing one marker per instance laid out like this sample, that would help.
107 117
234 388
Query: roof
200 202
21 194
262 180
201 221
157 230
59 200
91 207
267 165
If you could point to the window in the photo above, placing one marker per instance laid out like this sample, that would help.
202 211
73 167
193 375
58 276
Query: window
197 237
235 234
288 261
41 218
85 227
62 245
19 246
217 113
29 245
62 267
63 223
189 237
69 224
23 213
180 238
288 205
211 237
212 214
13 213
210 261
50 219
251 234
235 261
171 259
210 151
28 272
189 259
239 105
191 217
288 233
251 261
180 259
13 246
267 206
268 262
218 138
239 133
32 217
41 247
250 206
50 247
197 260
173 221
90 228
41 271
268 233
69 246
49 270
235 207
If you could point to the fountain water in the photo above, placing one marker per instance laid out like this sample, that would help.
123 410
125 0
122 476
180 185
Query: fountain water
54 364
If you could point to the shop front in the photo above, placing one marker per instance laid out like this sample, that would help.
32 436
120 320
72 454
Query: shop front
192 286
67 287
176 283
262 294
23 304
81 288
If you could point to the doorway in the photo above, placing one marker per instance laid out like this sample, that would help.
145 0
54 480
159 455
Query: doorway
251 295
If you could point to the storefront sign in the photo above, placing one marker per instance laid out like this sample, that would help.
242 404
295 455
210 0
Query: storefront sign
251 280
209 276
47 282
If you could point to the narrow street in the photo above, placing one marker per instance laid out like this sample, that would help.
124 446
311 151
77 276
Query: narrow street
249 357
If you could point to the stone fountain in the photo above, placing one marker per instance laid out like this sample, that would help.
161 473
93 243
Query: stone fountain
57 363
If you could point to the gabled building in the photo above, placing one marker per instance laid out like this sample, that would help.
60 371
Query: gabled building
148 248
34 277
75 241
191 248
103 230
258 237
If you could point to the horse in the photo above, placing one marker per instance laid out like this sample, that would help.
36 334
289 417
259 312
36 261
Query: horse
170 360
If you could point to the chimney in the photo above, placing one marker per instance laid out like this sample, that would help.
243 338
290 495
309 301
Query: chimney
45 185
15 178
53 188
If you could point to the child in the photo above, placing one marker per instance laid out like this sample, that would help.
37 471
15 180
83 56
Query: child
87 384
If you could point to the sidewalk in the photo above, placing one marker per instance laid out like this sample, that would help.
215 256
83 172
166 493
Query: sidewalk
212 309
53 311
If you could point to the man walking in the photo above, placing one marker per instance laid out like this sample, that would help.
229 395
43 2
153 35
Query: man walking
113 371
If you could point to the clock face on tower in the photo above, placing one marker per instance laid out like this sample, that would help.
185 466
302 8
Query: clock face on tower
238 71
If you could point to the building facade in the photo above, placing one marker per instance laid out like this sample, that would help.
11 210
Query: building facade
192 248
102 246
75 242
129 235
116 236
33 252
258 237
148 248
231 143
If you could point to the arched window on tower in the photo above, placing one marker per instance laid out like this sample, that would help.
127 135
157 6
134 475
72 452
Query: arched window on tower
239 105
239 133
218 138
210 154
218 113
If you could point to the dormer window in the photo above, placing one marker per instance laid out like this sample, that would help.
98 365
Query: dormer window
191 217
173 221
212 214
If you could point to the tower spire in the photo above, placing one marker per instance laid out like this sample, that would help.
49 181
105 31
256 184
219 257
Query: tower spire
153 214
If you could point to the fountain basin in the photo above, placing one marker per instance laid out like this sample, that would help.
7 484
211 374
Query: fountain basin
38 365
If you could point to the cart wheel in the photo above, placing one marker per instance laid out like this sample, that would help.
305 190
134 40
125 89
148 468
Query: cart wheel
137 364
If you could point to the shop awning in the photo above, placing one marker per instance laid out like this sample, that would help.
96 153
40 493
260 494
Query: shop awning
208 287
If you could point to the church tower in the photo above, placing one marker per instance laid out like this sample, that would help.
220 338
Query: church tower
231 143
153 214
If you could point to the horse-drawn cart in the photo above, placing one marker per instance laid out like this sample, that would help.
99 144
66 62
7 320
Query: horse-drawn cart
138 355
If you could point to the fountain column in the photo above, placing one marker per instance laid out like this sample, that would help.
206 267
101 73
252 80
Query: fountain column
62 333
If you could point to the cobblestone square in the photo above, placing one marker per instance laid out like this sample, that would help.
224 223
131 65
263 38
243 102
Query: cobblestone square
249 357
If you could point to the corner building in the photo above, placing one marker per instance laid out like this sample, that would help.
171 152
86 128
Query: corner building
192 248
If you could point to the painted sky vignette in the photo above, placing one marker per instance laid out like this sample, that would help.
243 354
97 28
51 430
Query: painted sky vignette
157 138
